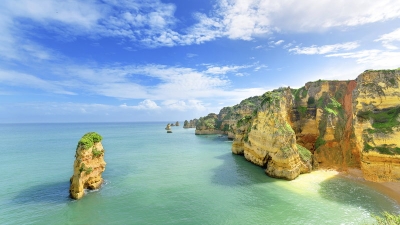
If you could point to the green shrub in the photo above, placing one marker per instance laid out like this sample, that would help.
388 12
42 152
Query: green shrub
89 139
88 170
243 121
246 138
304 153
387 219
96 153
382 121
320 141
302 110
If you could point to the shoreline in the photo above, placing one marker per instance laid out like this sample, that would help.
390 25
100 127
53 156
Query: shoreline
389 189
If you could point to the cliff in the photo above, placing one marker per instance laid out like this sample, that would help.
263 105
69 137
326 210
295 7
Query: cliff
377 124
88 166
324 124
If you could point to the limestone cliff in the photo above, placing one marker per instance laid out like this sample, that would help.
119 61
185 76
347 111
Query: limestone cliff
333 124
377 124
269 141
88 166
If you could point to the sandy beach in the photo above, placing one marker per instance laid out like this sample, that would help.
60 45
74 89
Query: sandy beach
390 189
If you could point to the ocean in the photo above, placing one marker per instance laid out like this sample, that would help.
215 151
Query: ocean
153 177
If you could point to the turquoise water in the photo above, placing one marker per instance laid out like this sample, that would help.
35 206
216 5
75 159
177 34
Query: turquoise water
157 178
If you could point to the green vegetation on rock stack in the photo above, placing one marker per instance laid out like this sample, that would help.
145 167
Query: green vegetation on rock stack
89 139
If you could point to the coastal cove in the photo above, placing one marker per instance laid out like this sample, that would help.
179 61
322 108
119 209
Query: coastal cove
153 177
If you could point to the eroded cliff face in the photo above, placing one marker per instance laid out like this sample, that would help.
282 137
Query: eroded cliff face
334 124
377 124
269 141
88 166
322 120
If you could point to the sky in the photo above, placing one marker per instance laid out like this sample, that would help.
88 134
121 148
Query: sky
172 60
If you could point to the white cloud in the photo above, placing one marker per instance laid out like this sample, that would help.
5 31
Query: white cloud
287 45
246 19
223 69
325 49
72 12
372 59
12 78
152 23
181 105
146 104
388 39
191 55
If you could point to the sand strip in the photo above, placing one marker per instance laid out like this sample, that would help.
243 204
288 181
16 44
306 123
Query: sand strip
390 189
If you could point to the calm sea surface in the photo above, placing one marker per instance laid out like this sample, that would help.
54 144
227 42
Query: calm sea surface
157 178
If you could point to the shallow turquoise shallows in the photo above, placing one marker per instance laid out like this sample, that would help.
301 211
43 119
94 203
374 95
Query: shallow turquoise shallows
153 177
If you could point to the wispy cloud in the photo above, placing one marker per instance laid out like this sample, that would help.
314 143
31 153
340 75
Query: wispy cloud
324 49
153 23
16 79
146 104
388 39
191 55
181 105
279 42
372 59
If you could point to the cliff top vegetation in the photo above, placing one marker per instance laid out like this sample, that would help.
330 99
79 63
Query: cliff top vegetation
89 139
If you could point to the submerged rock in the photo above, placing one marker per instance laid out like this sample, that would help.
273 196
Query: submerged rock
88 166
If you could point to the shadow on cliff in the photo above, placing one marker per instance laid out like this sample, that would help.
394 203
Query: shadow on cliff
237 171
47 193
351 192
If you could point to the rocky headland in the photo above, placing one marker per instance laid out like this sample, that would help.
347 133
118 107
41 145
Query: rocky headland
88 166
190 124
337 125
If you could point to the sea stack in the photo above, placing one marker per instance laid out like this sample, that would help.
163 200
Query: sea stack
88 166
177 123
168 128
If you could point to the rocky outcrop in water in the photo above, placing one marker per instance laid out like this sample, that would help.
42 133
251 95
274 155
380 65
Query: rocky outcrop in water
168 128
190 124
324 124
88 166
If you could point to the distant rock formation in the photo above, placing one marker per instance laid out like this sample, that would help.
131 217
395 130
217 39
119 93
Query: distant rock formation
190 124
177 123
324 124
88 166
168 128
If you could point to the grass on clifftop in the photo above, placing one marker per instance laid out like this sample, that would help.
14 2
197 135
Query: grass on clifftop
89 139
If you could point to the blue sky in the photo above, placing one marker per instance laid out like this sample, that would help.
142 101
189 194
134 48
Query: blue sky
169 60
